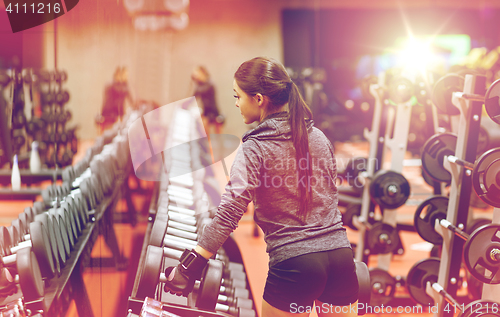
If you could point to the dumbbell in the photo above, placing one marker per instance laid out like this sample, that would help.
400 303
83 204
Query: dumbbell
154 308
176 224
38 241
151 276
171 248
59 245
481 250
174 238
424 273
229 266
29 275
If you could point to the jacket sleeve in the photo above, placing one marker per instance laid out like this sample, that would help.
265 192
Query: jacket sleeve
239 192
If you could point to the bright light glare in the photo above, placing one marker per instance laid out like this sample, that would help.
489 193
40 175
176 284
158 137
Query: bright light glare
417 55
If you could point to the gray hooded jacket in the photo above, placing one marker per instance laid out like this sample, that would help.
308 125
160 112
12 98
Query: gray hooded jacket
265 172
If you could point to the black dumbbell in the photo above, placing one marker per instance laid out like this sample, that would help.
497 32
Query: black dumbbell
56 239
170 224
151 276
38 241
29 275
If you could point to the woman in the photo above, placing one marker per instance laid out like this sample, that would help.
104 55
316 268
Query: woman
288 169
204 91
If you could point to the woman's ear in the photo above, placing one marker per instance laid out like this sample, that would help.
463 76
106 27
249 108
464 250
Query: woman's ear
260 99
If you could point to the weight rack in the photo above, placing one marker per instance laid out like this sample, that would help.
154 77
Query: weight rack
88 212
458 215
185 123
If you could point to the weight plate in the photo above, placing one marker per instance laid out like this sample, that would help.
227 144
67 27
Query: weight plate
389 189
24 222
65 223
416 281
382 286
150 273
435 149
486 177
82 207
97 187
57 250
474 287
476 223
425 218
69 205
41 247
6 241
382 238
30 278
19 228
400 90
210 285
158 230
443 90
481 308
348 215
61 235
88 193
71 222
492 101
351 174
14 235
364 283
30 213
482 254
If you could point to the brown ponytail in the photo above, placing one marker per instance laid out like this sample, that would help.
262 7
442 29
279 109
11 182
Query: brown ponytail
270 78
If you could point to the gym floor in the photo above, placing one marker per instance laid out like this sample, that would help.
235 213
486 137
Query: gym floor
108 289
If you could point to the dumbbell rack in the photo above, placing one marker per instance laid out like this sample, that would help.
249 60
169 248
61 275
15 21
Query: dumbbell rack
396 124
160 203
62 288
461 186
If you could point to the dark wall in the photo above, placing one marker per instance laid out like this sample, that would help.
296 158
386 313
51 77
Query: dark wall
336 38
21 49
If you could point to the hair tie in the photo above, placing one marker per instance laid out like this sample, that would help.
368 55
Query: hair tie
289 85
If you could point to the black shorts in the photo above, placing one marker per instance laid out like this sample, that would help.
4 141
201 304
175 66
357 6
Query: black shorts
329 277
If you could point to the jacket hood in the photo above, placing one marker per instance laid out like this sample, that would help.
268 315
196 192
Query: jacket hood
274 127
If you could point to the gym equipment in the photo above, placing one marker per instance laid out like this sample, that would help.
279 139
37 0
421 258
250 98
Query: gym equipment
151 275
354 167
435 149
400 89
30 277
482 251
382 287
364 294
425 273
154 308
389 189
492 101
426 215
485 177
382 238
165 226
443 90
39 244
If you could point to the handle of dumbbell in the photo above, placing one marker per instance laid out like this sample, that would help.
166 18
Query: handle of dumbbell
181 210
180 218
174 223
21 245
182 233
472 97
448 225
438 288
495 254
456 160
